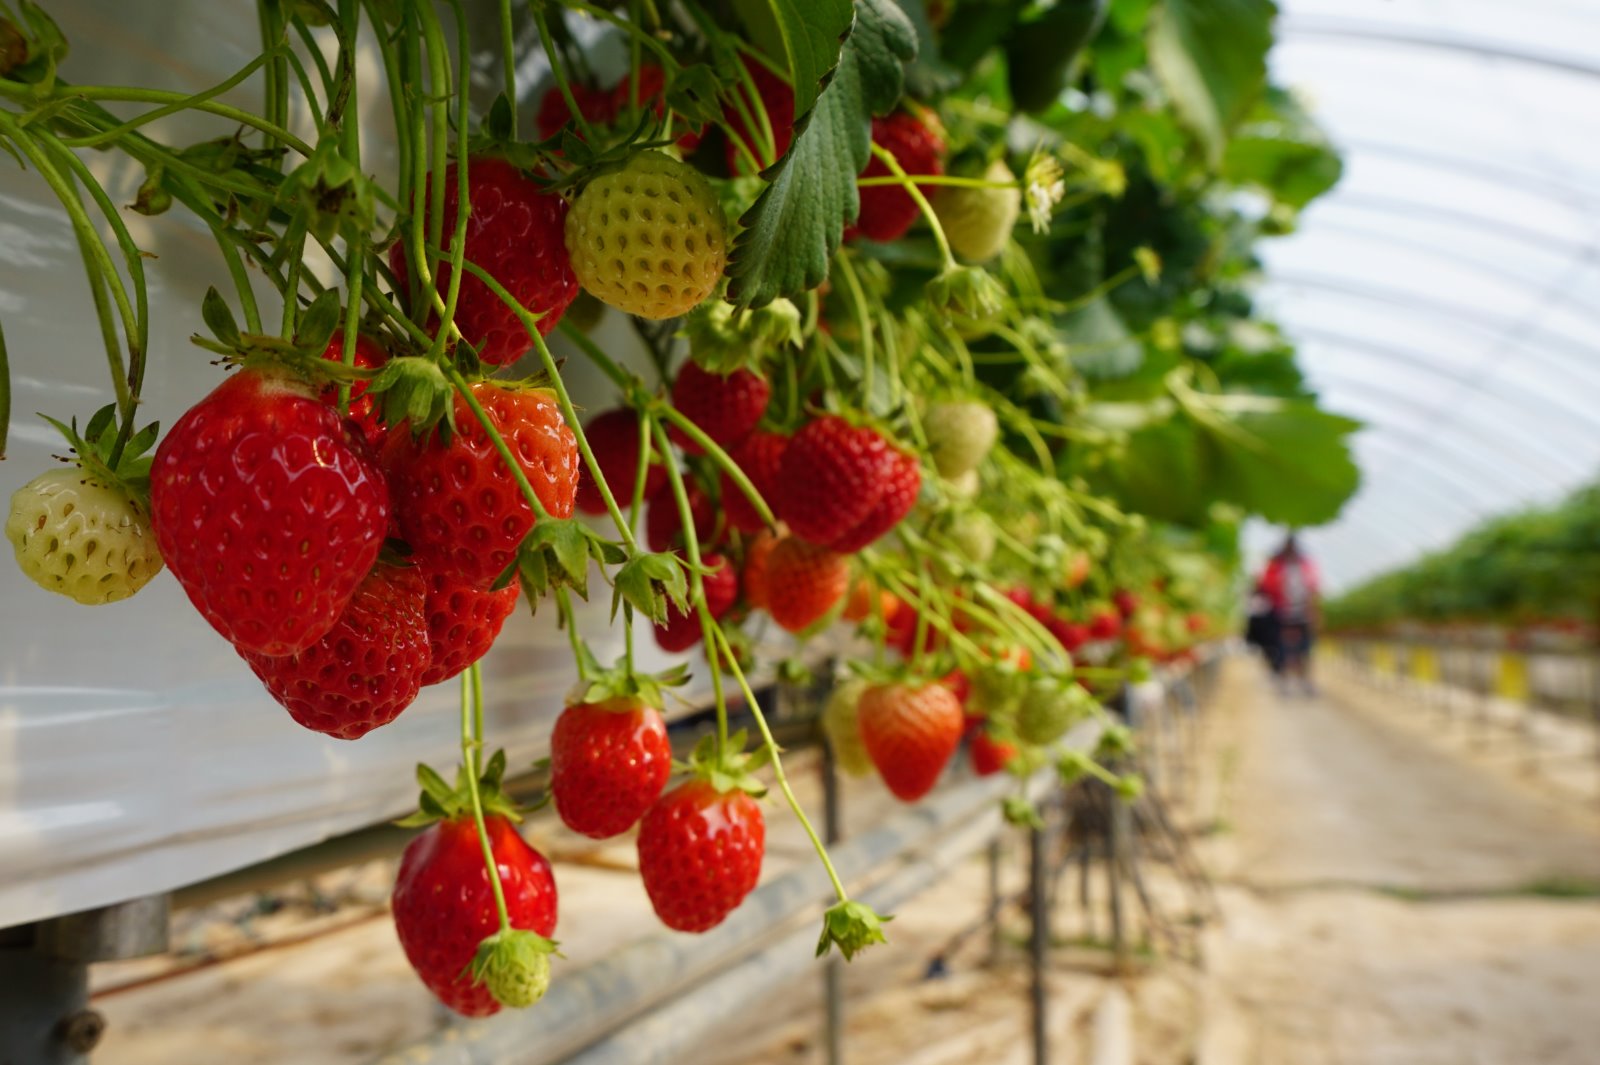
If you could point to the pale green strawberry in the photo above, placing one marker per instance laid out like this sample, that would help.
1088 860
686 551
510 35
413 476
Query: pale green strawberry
844 733
82 538
978 222
960 433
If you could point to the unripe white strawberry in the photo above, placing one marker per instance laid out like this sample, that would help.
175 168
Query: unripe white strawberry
844 731
960 434
647 236
978 221
83 539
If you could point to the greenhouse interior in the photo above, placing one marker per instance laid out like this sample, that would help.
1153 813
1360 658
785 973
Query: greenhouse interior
799 532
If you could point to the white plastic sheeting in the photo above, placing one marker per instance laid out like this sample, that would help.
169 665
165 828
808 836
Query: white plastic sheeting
137 752
1448 291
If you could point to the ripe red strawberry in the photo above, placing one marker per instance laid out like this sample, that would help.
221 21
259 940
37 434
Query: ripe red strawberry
803 582
663 524
910 730
760 456
599 107
608 762
268 509
613 436
725 408
363 408
516 233
1105 623
887 211
1126 602
901 483
757 557
1069 634
444 905
700 854
989 755
830 478
776 97
460 509
462 622
682 631
366 669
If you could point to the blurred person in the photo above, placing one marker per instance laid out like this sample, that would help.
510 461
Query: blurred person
1290 586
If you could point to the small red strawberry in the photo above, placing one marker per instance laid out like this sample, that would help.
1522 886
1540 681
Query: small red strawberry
363 408
682 630
598 106
1069 634
910 730
1105 623
462 622
444 906
663 524
888 211
989 755
268 509
700 854
609 761
613 436
460 509
1126 602
901 483
516 234
725 408
803 582
830 478
366 669
759 456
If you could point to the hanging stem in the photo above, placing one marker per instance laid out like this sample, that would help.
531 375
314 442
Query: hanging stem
471 744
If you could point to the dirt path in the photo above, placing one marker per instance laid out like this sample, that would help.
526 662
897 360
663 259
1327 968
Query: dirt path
1380 902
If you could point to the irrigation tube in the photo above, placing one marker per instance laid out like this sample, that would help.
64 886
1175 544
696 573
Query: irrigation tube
586 1016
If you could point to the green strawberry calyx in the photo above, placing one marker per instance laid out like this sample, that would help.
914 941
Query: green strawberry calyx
621 687
300 357
514 964
95 451
443 802
723 339
852 926
729 769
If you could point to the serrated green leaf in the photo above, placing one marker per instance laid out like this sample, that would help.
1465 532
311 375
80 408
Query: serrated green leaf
1282 150
1291 466
1211 56
792 230
809 32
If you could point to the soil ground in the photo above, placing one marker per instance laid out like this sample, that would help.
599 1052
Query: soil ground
1391 891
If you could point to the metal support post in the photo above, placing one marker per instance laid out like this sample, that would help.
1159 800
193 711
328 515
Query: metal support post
1039 941
993 852
1116 860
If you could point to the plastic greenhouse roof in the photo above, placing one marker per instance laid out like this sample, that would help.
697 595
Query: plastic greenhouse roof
1447 292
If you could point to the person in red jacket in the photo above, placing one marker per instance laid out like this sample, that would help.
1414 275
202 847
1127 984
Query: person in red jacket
1290 584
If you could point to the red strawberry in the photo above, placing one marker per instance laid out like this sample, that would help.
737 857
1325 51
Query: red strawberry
599 107
613 436
757 557
989 755
460 509
608 763
901 483
363 408
682 631
462 622
803 582
1069 634
760 456
887 211
366 669
910 730
1126 602
959 683
776 97
269 510
517 234
725 408
663 525
1105 623
444 905
700 854
830 478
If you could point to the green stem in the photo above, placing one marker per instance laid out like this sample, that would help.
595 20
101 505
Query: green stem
471 711
188 102
558 71
5 392
936 179
464 390
508 62
887 158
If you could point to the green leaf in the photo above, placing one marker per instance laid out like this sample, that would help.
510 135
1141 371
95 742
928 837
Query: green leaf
810 33
1283 151
1289 463
1101 345
1211 56
794 227
219 318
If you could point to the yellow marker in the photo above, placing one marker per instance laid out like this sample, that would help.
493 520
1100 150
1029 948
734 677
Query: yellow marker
1511 679
1383 659
1425 665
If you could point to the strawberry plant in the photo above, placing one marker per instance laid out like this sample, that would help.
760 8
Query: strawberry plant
991 390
